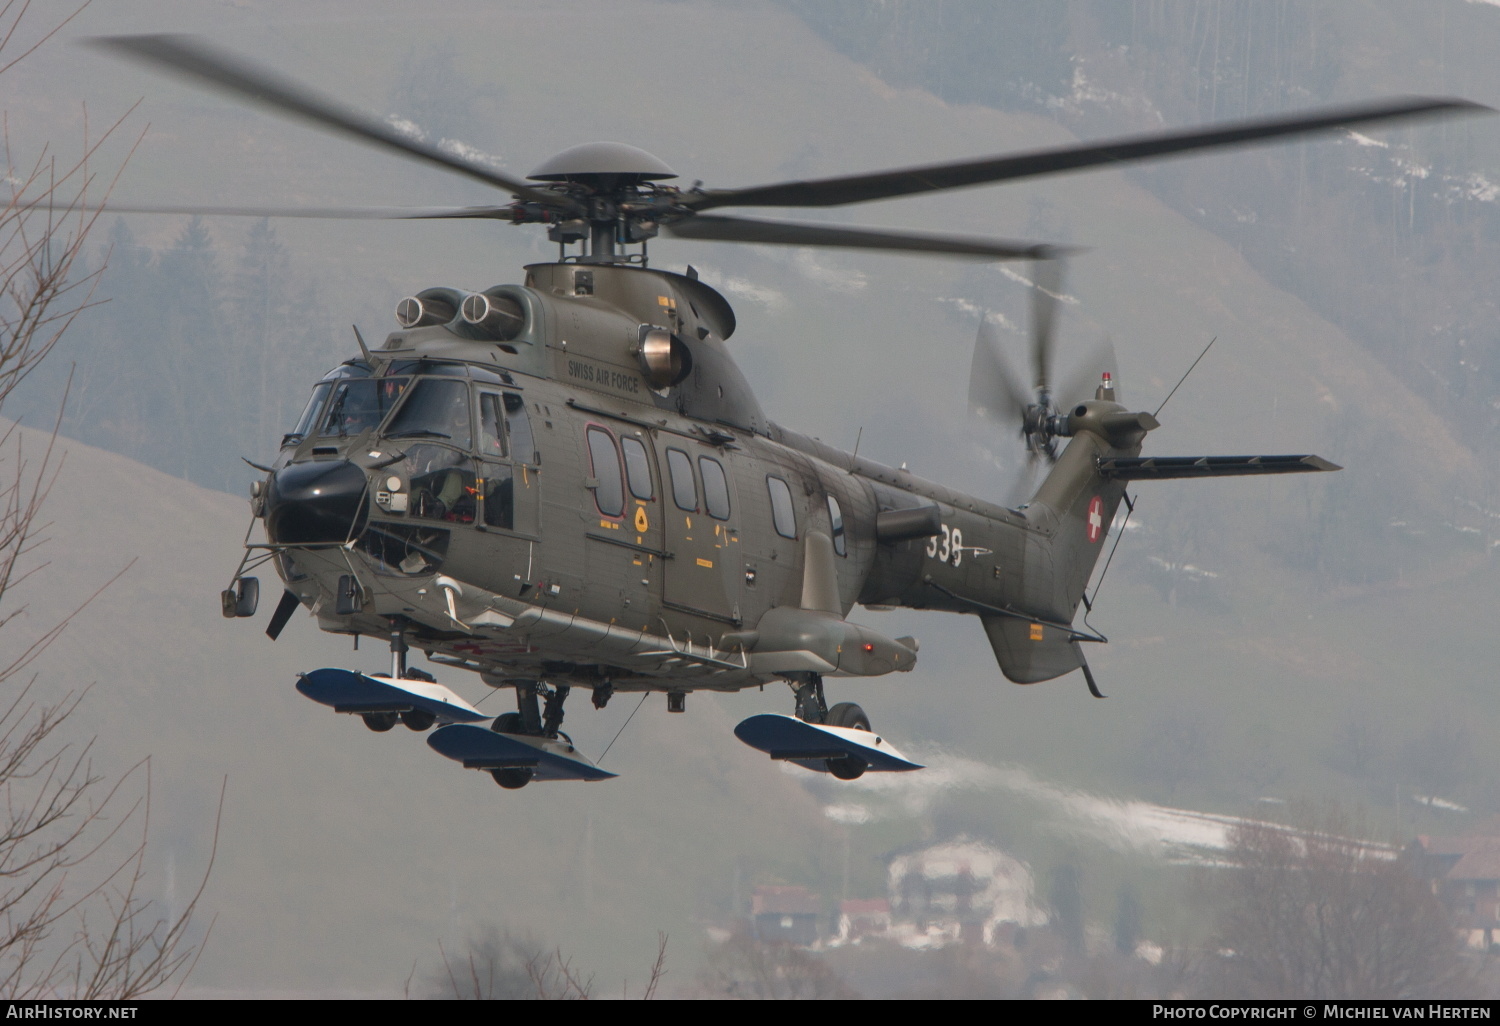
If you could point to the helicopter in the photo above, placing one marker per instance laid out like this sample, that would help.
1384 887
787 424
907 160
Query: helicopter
567 483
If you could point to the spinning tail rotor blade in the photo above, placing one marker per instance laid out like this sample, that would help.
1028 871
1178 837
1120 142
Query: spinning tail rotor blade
1023 486
1046 287
994 395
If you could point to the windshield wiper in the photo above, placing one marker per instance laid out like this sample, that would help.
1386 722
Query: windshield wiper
418 433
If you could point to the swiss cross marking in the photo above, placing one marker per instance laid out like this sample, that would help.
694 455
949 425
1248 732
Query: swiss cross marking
1095 518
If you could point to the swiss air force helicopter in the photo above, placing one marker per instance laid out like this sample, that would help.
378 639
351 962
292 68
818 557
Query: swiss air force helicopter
567 483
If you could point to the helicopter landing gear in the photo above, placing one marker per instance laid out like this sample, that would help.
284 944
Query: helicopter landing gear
852 717
380 722
539 713
418 719
512 778
811 706
539 710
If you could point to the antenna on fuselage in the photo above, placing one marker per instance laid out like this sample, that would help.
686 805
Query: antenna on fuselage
364 348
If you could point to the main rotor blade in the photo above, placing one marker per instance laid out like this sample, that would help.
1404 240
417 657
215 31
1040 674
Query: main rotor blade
338 213
994 395
799 233
1046 287
198 60
832 192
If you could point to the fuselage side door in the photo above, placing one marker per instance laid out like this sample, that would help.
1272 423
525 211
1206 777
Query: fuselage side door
508 491
525 461
698 513
645 489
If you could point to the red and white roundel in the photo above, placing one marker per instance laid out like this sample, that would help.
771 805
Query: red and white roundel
1095 521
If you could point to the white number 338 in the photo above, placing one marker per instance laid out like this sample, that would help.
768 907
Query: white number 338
950 549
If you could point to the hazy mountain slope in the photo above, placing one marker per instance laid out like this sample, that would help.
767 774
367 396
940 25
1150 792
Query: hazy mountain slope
1321 610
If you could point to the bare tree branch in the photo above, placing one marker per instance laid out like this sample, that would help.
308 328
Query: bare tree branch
75 921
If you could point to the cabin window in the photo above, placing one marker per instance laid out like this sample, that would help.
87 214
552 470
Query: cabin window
836 522
499 490
437 408
522 443
309 415
715 488
684 491
609 491
360 404
782 514
443 486
637 468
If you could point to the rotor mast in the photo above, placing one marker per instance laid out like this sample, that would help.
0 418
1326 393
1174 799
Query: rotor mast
613 184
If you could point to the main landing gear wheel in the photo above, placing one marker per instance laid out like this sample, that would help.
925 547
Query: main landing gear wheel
511 777
418 719
379 722
508 723
847 714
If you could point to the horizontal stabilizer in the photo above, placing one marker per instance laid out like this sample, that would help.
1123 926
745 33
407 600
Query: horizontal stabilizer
810 744
483 749
350 692
1140 468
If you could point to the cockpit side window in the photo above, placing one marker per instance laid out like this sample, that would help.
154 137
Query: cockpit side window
522 443
309 415
443 486
360 404
437 408
491 433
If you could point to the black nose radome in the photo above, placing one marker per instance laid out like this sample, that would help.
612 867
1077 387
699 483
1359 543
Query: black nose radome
319 502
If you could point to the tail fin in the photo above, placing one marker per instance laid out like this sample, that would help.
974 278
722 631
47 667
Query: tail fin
1031 652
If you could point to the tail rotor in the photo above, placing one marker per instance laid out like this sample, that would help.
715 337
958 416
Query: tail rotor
998 399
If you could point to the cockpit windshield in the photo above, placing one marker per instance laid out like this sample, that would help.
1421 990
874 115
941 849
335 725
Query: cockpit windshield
360 404
309 414
438 408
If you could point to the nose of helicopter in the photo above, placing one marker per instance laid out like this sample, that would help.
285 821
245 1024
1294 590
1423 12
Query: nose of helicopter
319 502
